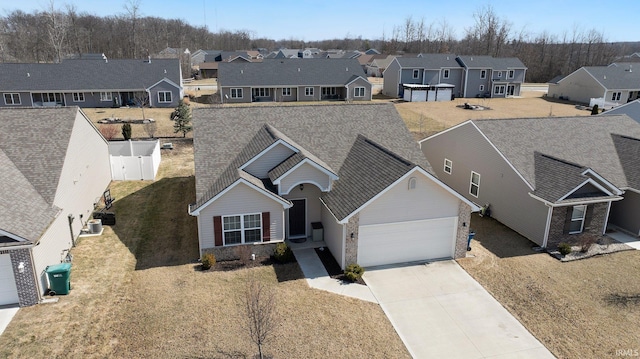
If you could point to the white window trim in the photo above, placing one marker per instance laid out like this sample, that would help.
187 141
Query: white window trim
499 74
261 92
236 90
511 74
471 184
445 73
356 89
416 74
448 164
481 87
106 96
483 74
308 91
499 90
581 220
165 96
242 229
287 92
78 96
13 102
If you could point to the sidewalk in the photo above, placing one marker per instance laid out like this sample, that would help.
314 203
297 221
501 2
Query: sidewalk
318 278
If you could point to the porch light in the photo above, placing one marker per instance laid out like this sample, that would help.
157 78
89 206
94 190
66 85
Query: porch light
21 267
301 186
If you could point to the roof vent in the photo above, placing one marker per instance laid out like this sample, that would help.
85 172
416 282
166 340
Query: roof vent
472 58
104 57
447 58
28 74
149 58
241 71
347 69
298 69
630 68
605 77
165 71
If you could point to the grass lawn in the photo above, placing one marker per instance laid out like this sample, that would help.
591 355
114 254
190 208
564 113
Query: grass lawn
573 308
137 293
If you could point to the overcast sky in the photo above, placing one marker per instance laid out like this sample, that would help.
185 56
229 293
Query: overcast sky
310 20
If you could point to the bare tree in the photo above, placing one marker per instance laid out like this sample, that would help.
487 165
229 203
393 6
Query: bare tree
109 132
150 128
133 11
261 317
57 27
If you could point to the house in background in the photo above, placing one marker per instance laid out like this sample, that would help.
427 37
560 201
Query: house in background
549 179
92 83
607 86
428 70
495 77
285 80
265 174
377 65
55 167
631 109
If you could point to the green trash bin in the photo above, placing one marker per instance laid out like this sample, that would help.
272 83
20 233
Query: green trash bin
59 278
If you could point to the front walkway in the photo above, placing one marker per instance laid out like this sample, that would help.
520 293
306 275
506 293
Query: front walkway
440 311
6 315
631 241
317 277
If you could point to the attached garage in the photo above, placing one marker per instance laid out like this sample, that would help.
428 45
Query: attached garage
380 244
8 290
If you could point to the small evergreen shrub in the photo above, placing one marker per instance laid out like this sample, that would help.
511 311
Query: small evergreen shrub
208 261
595 110
353 272
564 248
126 131
283 254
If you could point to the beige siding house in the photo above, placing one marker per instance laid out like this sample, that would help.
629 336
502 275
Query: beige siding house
354 170
59 164
550 179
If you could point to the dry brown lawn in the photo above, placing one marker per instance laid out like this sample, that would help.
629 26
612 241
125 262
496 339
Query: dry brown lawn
137 293
580 309
162 117
427 118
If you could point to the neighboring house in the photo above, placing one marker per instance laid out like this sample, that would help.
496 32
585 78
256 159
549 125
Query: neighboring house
285 54
183 54
378 64
198 56
269 173
55 166
285 80
548 179
428 70
495 77
92 83
613 85
209 68
372 52
631 109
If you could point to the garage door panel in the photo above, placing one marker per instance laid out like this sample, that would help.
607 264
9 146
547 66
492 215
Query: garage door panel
406 241
8 290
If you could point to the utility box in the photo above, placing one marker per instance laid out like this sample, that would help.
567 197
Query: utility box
59 278
317 232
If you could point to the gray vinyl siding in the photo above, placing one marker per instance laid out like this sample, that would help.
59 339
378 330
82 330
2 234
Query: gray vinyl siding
359 83
406 76
626 213
317 93
500 185
164 86
473 82
391 79
226 95
280 98
25 99
456 77
579 86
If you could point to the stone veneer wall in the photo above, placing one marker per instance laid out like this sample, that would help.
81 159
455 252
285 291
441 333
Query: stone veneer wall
25 282
462 237
233 252
351 244
595 227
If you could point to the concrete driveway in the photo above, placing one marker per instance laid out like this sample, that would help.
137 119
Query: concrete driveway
440 311
6 315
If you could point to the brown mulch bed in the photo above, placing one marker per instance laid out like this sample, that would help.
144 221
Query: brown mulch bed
332 266
235 264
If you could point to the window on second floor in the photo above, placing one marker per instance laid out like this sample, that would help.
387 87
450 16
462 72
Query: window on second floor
416 74
448 166
474 186
445 74
511 74
483 74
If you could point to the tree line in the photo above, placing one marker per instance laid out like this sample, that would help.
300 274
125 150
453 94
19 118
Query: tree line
52 34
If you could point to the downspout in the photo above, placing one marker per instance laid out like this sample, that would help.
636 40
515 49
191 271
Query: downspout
547 227
73 239
466 79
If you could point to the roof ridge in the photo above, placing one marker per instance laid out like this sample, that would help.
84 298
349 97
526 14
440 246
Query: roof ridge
386 151
559 160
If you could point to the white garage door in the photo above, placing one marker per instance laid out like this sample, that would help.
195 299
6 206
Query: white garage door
390 243
8 290
444 95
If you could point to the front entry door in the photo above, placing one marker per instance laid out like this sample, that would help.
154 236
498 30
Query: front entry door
298 218
511 89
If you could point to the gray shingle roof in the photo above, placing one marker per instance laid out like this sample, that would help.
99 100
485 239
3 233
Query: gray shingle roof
628 149
88 75
586 141
489 62
33 148
225 138
367 170
616 76
429 61
292 72
631 109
